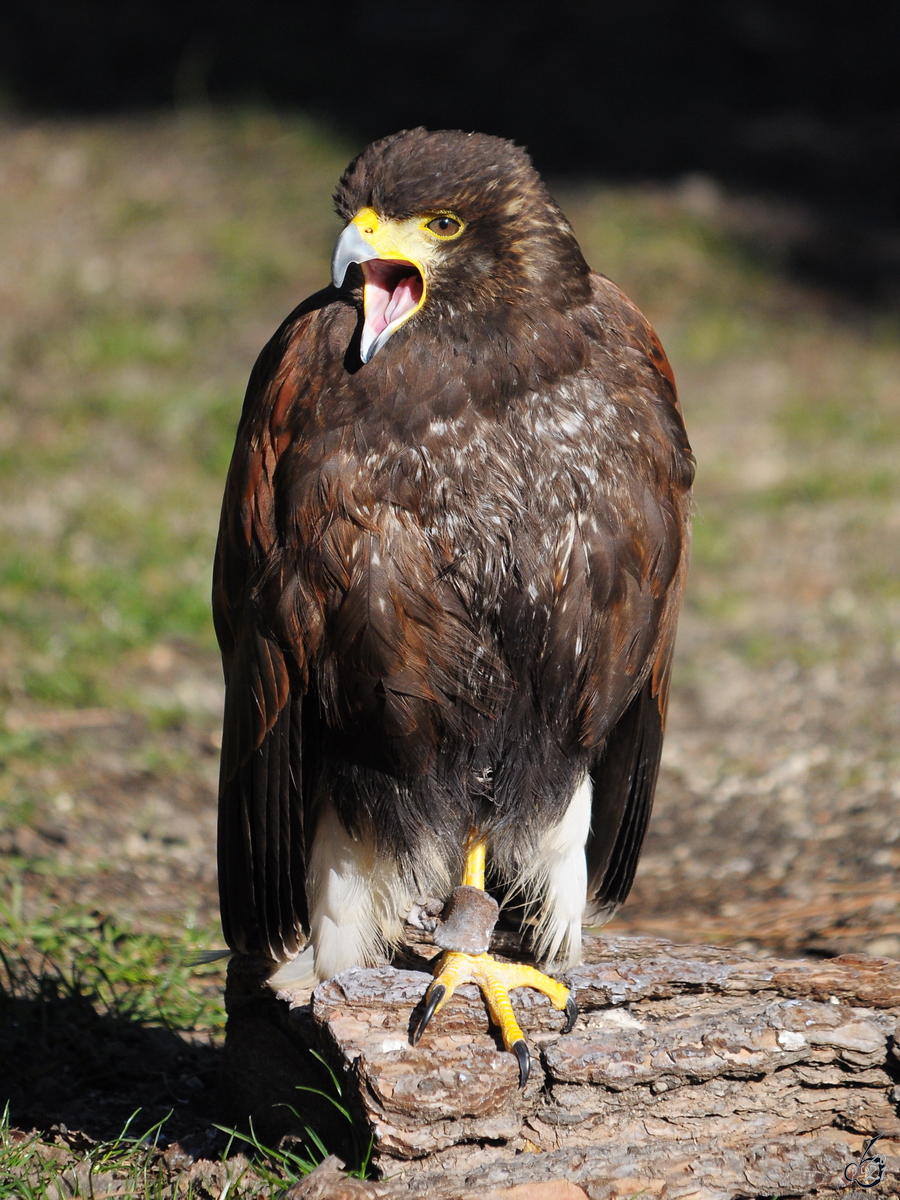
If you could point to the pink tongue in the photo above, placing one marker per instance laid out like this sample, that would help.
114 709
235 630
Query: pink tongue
386 302
405 298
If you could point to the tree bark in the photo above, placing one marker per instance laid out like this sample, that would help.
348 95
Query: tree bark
692 1071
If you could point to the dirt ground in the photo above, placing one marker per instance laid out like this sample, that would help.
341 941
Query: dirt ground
775 825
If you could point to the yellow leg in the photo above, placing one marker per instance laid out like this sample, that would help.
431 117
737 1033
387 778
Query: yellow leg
476 854
493 978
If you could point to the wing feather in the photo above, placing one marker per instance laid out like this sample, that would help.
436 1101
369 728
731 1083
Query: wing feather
262 819
624 781
625 685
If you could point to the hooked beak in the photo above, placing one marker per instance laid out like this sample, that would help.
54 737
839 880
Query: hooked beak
394 287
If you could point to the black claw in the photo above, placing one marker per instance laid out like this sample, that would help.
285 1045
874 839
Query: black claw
435 995
520 1050
571 1014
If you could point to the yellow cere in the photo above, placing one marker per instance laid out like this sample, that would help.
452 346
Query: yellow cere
368 221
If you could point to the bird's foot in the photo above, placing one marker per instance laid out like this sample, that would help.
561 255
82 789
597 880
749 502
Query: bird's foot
495 979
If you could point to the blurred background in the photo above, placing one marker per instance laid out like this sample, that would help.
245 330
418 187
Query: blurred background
165 182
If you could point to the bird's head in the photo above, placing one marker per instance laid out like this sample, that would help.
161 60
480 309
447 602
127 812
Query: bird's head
447 225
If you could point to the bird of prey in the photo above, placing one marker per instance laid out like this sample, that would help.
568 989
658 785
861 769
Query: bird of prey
452 550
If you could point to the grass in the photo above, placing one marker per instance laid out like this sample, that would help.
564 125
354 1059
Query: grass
32 1169
78 993
135 1167
286 1164
145 263
88 1005
123 973
114 456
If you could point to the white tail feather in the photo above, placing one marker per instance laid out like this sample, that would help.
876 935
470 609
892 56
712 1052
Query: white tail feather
357 899
555 882
300 972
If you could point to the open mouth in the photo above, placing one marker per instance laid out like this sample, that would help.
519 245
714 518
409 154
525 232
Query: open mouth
393 291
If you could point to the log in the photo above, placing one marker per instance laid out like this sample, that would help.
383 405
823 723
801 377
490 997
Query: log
692 1071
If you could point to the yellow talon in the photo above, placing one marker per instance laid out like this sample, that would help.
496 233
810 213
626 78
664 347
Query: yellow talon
494 979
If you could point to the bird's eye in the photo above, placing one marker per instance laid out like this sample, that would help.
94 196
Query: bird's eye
445 226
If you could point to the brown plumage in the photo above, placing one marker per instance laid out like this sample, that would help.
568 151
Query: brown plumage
447 578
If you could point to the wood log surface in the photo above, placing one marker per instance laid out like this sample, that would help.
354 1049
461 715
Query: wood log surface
692 1071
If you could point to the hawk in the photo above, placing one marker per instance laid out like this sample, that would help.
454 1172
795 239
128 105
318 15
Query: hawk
452 550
